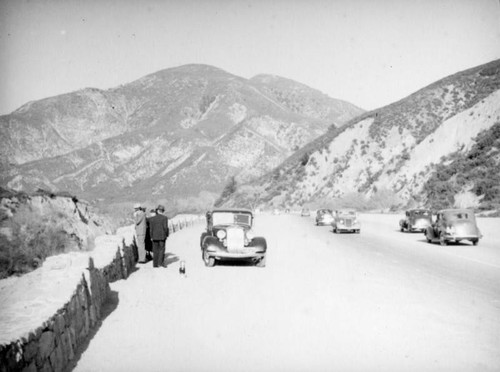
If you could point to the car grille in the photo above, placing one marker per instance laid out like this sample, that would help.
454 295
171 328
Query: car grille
348 222
235 239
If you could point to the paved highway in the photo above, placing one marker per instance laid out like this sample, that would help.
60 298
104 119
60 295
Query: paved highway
380 300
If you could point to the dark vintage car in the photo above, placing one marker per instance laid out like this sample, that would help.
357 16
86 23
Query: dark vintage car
346 220
324 217
453 226
229 237
416 220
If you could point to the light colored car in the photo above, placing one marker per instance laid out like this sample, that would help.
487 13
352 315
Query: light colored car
416 220
453 226
305 212
346 220
229 237
324 217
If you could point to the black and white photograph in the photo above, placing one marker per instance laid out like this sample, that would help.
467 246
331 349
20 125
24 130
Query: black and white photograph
250 185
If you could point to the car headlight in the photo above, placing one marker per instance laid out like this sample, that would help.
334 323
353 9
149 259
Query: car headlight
221 234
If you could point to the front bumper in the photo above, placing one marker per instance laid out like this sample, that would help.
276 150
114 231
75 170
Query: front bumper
224 255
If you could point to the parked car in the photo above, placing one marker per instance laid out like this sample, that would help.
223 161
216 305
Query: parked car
454 225
305 212
346 220
324 217
416 220
229 236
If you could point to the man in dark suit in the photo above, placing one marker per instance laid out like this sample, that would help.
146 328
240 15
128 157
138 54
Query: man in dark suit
158 229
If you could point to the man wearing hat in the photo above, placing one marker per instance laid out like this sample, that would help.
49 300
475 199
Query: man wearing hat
158 229
140 232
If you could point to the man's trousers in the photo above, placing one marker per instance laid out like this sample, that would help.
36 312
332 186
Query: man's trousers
158 253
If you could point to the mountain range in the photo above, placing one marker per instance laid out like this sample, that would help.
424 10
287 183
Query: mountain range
177 134
420 151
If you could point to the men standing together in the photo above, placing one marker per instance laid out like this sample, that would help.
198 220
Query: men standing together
158 230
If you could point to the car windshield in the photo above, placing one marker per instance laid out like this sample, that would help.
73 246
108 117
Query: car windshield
459 215
229 218
347 213
421 213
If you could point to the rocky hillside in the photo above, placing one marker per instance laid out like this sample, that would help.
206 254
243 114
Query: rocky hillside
176 133
37 225
392 150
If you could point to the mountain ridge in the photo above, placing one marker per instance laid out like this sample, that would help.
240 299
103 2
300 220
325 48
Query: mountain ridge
149 135
384 149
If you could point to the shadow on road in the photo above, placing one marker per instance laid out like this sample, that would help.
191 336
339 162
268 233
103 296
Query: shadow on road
234 263
108 307
170 258
436 243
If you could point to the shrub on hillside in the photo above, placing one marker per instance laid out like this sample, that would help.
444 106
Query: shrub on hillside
28 238
475 171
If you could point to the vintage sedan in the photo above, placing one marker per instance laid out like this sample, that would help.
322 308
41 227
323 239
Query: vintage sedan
324 217
305 212
416 220
229 236
346 220
453 226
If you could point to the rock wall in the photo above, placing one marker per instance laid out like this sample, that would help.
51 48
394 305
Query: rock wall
46 315
51 345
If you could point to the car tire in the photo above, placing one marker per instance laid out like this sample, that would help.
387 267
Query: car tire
475 241
209 261
442 240
335 229
261 262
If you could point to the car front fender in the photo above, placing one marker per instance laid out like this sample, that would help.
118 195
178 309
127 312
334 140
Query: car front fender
258 242
429 232
212 243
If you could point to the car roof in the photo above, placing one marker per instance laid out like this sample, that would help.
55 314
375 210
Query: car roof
231 210
463 210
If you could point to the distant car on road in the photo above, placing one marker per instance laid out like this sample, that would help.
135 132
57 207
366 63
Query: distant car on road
346 220
416 220
229 236
453 226
305 212
324 217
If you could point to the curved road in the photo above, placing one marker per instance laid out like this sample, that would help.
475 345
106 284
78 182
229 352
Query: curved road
380 300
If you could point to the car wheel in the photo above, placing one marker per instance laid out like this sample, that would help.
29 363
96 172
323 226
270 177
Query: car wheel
335 229
261 262
475 241
209 261
442 240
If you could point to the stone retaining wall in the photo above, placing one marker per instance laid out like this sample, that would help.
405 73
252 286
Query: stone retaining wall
51 346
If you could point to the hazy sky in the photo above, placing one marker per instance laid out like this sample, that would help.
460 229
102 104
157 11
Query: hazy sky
370 53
